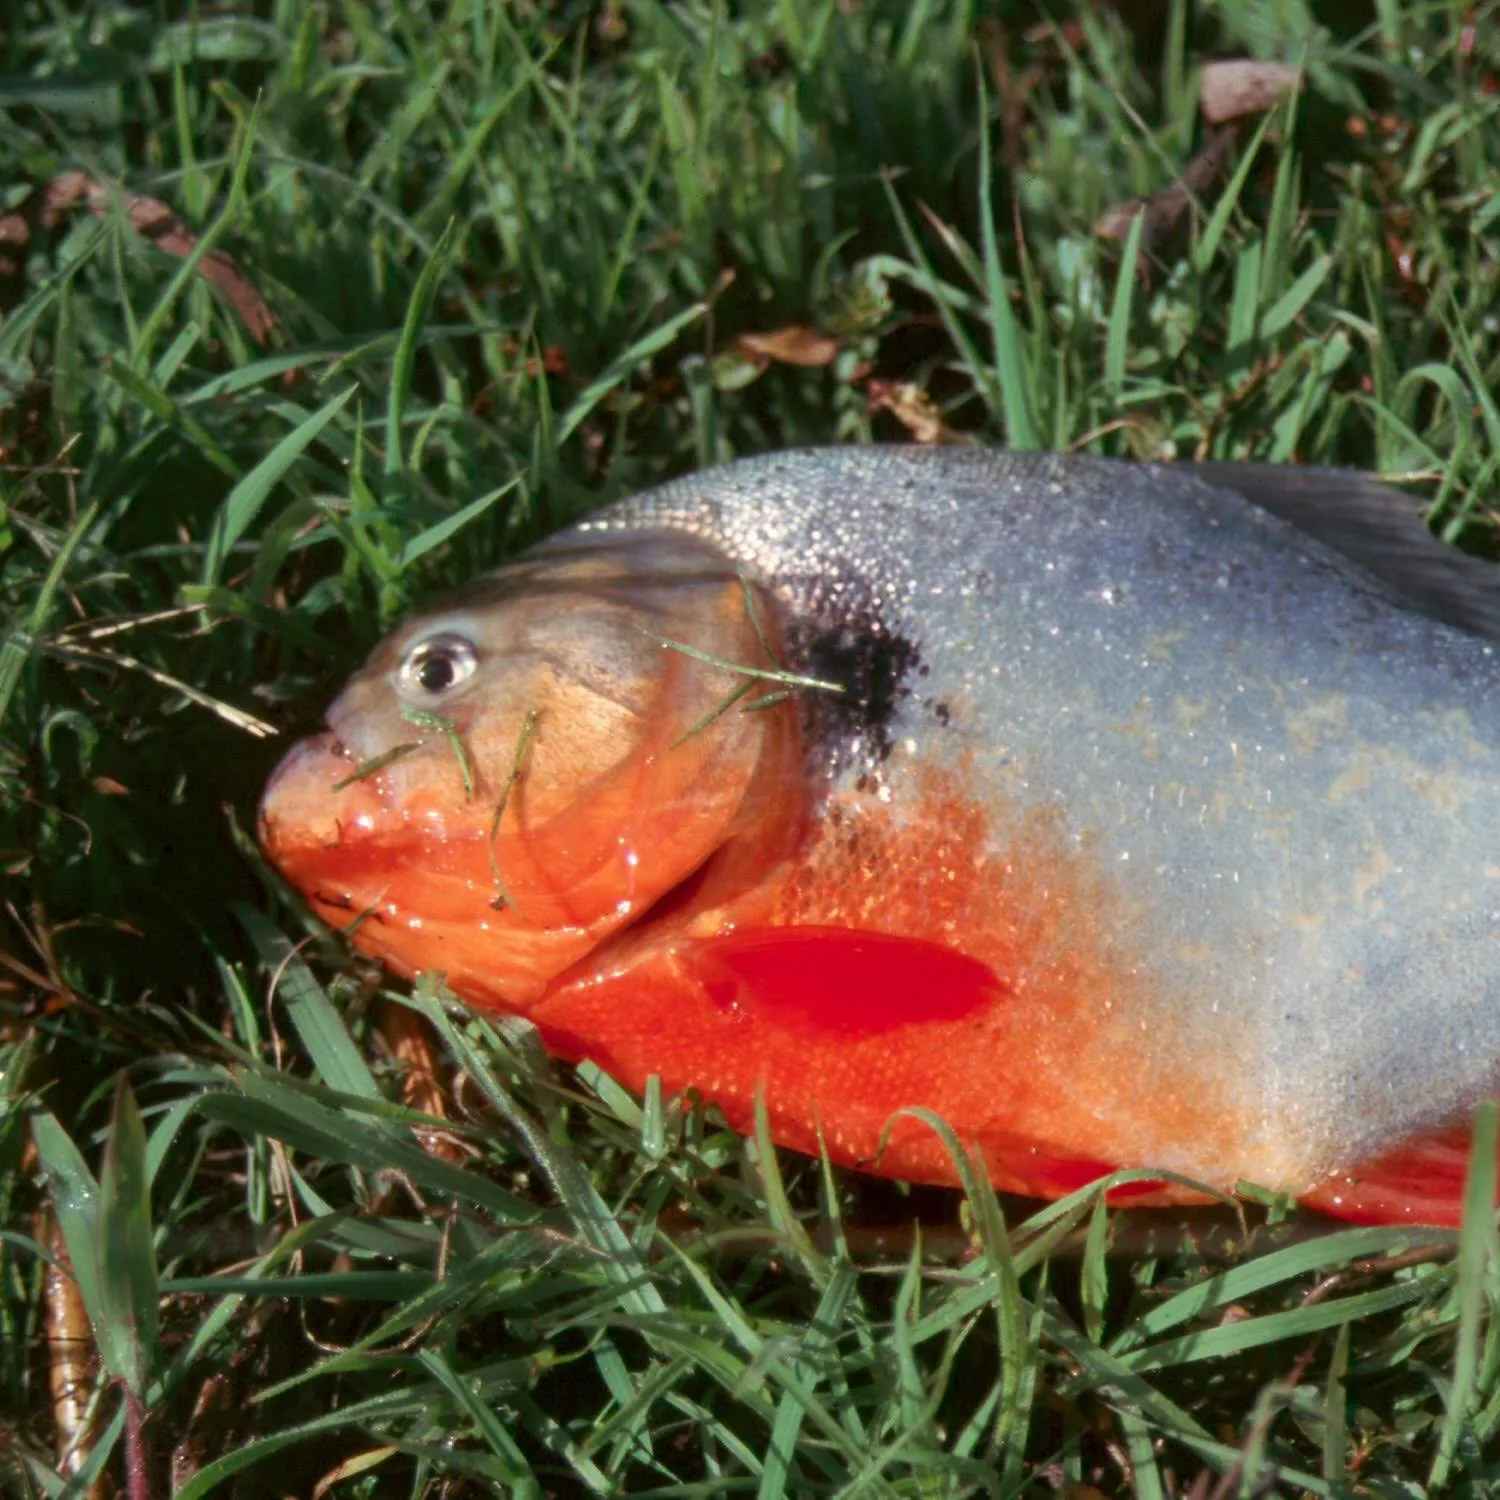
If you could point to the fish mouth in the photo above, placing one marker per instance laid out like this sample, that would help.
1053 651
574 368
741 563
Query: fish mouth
417 892
300 806
388 895
503 908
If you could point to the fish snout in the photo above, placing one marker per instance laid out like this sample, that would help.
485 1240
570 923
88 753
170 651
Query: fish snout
307 806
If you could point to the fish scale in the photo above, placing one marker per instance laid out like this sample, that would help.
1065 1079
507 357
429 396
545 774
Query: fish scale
1150 825
1292 773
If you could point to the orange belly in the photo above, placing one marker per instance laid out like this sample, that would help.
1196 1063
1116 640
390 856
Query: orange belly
903 962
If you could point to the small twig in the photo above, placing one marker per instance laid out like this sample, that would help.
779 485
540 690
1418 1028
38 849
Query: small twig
1164 211
226 711
97 631
137 1459
1364 1270
1231 1480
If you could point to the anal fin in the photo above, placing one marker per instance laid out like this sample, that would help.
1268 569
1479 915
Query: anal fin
1421 1182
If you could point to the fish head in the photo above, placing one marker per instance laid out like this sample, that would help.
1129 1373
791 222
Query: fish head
516 777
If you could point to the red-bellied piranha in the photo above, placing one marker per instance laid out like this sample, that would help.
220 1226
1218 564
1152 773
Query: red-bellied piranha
1123 815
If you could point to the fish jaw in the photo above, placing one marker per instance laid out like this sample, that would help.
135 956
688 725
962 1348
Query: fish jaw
500 916
369 867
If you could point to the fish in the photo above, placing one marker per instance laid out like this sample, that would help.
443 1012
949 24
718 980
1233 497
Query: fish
1127 817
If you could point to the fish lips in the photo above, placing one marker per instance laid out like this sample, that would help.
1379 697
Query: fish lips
332 831
304 805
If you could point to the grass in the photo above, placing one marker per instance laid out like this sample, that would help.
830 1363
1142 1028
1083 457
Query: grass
513 253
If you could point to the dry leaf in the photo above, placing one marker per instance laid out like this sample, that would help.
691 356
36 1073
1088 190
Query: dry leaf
70 1355
796 344
913 408
412 1043
153 220
1240 86
1166 210
358 1463
734 367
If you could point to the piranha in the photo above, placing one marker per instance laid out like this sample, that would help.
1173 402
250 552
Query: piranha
1123 815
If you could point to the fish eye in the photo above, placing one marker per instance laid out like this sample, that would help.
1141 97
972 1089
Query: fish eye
437 665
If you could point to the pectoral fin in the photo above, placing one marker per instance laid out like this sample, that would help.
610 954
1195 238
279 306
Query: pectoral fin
837 981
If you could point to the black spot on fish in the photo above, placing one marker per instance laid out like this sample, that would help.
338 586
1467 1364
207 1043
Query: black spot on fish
871 664
942 713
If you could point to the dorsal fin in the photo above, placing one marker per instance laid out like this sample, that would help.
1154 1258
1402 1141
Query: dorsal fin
1375 525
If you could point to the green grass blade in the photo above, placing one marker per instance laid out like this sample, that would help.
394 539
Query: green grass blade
319 1025
438 533
1290 305
234 202
128 1332
623 367
1005 333
1252 1333
1139 1444
1094 1287
251 493
778 1205
791 1411
1117 339
1335 1411
334 1135
922 276
162 406
1233 1286
1218 220
1245 303
15 652
405 360
593 1219
514 1467
1476 1253
75 1199
1010 1308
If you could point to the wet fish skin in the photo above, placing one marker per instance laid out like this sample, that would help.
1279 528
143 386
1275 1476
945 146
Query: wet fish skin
1231 784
